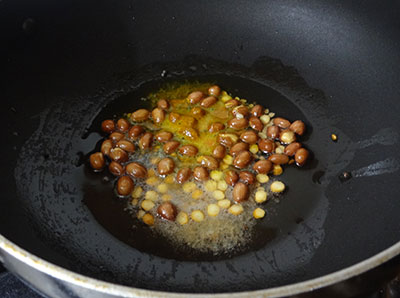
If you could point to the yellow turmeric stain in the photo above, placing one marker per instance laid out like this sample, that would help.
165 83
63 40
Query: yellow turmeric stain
190 123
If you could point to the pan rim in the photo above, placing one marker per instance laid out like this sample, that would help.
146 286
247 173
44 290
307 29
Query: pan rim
126 291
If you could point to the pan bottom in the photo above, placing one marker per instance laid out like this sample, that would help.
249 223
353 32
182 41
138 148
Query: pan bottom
74 211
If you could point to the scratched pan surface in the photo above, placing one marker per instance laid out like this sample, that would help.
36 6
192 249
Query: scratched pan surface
333 65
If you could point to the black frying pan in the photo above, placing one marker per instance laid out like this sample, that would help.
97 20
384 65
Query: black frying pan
69 65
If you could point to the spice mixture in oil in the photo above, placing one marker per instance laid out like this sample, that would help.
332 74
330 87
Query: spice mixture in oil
198 167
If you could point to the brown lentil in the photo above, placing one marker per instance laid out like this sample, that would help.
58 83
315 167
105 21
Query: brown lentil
238 124
146 141
238 147
140 115
165 166
106 147
123 125
231 177
279 159
183 175
167 210
257 111
163 136
281 122
126 145
249 137
240 192
200 173
255 123
209 162
301 156
195 97
208 101
240 110
232 103
163 104
115 168
116 136
197 112
135 131
108 126
291 149
158 115
173 117
219 151
216 126
273 132
118 155
227 139
97 161
214 90
124 186
171 146
242 160
247 177
262 166
136 170
188 150
266 145
298 127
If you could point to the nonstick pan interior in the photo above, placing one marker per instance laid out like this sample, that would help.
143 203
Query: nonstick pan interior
322 225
